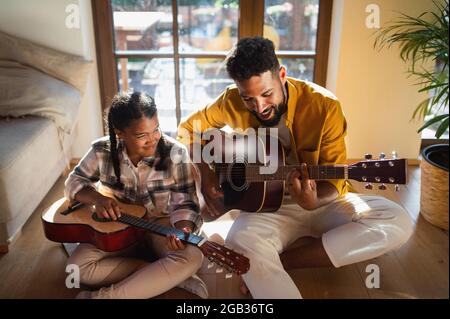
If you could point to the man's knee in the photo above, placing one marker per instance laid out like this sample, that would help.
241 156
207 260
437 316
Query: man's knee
391 224
401 228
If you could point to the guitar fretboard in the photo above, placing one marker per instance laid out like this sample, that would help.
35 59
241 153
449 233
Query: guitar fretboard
317 172
158 229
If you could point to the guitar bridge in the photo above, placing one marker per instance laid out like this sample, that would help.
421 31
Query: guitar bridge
72 208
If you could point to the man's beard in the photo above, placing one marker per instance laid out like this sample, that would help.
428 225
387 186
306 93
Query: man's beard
280 109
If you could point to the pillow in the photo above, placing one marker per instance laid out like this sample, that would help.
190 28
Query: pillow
26 91
66 67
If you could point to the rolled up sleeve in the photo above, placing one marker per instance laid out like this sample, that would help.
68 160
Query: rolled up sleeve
184 204
85 174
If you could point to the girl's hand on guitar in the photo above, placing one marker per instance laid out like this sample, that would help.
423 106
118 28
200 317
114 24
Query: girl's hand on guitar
174 243
303 191
107 207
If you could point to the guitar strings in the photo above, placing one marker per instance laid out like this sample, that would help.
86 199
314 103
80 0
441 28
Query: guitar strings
139 222
323 172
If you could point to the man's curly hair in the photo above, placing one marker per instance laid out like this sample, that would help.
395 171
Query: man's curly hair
250 57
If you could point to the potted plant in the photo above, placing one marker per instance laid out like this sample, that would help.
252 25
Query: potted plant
422 40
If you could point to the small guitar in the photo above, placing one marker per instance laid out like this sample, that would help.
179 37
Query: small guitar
77 223
246 188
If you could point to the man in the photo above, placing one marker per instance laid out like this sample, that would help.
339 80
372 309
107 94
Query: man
342 228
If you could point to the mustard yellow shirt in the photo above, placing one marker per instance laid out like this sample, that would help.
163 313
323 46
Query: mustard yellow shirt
314 118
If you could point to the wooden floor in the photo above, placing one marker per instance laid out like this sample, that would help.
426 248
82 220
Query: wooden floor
34 267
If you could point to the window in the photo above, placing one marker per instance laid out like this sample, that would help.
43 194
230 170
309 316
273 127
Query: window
292 26
175 50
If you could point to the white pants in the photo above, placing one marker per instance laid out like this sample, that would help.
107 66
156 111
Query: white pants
353 228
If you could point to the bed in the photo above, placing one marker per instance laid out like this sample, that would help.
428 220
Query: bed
40 95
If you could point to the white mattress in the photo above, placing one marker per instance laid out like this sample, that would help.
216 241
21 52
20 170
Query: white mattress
31 160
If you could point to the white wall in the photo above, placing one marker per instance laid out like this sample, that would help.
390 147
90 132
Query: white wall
377 97
44 22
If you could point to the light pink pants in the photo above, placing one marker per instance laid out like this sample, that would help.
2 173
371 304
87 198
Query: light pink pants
123 276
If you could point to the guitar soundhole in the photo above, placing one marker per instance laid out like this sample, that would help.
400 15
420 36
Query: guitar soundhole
100 219
234 184
236 176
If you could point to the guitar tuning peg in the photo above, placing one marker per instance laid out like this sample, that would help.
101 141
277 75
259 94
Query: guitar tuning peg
396 187
219 270
382 155
210 265
368 156
368 186
382 187
394 155
228 275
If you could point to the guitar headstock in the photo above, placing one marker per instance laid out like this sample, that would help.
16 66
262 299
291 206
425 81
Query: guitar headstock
225 257
382 171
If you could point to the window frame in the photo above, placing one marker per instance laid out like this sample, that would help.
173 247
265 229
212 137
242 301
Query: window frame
251 19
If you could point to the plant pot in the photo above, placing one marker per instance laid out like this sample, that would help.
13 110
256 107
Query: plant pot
434 185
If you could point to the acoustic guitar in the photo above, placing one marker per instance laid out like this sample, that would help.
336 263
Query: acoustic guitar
75 223
237 165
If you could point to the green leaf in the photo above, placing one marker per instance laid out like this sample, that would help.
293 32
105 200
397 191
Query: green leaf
423 40
430 87
442 128
432 121
438 97
422 109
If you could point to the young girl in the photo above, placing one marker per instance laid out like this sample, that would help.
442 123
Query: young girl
134 165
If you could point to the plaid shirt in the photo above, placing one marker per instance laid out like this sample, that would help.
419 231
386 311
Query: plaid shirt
169 192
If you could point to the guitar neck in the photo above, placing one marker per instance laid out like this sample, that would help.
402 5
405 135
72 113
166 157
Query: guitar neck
161 230
317 172
215 252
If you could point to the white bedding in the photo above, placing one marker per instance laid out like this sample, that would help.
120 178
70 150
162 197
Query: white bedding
64 66
26 91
